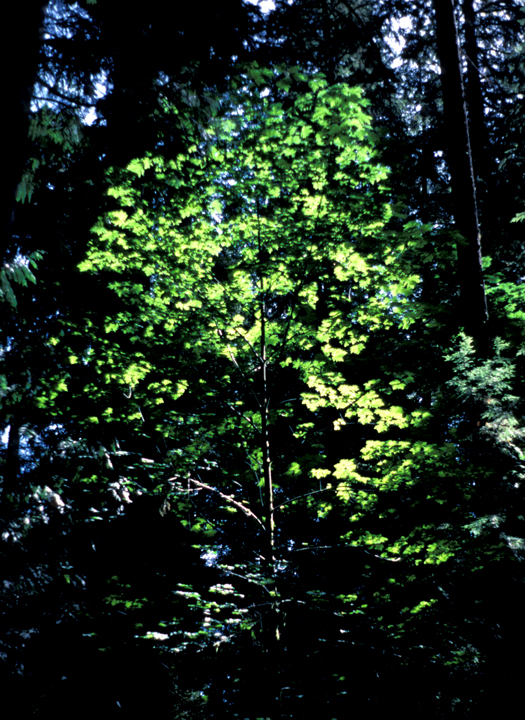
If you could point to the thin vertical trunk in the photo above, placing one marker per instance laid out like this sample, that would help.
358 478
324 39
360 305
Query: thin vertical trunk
265 438
272 620
268 481
473 309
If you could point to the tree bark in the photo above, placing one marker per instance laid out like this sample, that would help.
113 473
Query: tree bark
473 303
474 96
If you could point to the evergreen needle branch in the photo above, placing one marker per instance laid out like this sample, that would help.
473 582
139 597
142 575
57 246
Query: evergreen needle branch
66 102
66 98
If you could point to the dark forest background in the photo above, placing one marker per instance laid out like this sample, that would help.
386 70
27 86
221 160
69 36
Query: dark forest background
261 359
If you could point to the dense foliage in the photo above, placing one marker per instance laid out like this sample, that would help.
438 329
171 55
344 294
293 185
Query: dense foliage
259 460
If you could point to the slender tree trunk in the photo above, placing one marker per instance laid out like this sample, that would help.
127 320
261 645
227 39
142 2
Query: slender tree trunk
265 439
473 310
267 468
272 635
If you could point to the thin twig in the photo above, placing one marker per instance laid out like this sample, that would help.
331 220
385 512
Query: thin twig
228 498
299 497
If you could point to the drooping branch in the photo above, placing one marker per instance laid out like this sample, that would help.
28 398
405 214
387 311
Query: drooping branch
24 22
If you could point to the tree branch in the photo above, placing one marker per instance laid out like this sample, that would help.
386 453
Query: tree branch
228 498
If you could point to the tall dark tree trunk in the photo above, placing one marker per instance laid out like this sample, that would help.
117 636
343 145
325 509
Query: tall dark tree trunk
473 313
474 96
23 22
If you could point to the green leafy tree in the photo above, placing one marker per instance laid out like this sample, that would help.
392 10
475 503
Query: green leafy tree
272 282
277 279
245 264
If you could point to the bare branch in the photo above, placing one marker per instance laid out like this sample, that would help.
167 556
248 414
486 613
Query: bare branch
299 497
228 498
